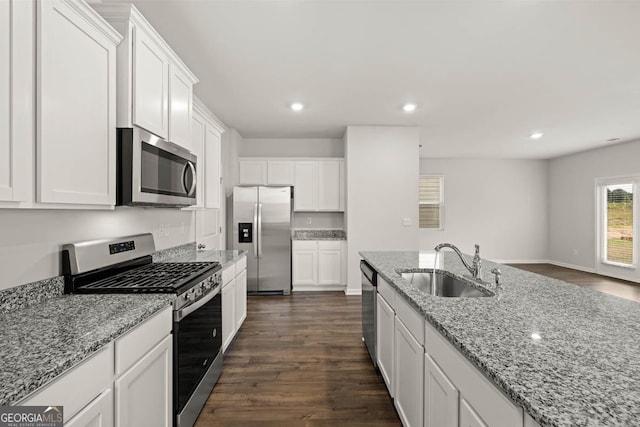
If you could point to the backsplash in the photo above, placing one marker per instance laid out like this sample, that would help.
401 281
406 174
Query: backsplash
319 220
30 294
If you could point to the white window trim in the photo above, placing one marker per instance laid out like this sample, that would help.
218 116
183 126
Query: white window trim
441 203
600 197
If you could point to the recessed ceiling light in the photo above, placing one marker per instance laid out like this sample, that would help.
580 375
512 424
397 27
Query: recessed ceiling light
297 106
536 135
409 108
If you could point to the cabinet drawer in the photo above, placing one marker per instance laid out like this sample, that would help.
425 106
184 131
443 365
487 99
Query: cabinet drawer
228 274
413 320
241 265
76 388
386 291
495 409
136 343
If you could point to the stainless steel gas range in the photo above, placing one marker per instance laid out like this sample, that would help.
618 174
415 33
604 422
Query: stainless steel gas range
124 265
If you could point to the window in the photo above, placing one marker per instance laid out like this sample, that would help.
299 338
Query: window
431 201
617 216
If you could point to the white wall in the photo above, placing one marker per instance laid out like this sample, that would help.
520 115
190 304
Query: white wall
499 204
31 239
381 164
319 220
572 206
291 147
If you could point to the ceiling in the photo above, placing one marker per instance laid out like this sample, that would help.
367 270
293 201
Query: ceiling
485 74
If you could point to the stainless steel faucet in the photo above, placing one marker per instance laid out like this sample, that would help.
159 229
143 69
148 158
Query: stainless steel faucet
476 266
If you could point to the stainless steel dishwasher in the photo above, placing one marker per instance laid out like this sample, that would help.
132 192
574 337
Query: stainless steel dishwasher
369 284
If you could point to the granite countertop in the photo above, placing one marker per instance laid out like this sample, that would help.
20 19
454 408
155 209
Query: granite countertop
225 258
318 235
42 341
582 368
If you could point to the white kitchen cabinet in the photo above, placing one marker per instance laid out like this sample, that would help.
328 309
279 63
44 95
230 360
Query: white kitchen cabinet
468 417
330 188
212 172
385 332
408 376
306 186
530 422
241 298
143 394
76 67
198 132
206 136
180 107
98 413
330 262
252 172
305 263
280 172
228 313
17 44
155 88
440 397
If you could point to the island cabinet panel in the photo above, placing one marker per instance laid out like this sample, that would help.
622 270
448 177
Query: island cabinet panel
440 397
228 313
98 413
530 422
241 298
385 333
468 417
488 404
408 376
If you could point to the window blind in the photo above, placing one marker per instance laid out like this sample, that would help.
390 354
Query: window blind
430 199
618 223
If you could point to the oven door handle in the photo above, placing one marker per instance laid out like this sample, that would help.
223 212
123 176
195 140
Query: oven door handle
181 314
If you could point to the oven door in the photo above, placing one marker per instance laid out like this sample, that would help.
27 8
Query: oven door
197 356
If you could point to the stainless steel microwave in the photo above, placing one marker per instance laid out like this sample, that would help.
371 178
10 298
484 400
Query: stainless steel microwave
153 172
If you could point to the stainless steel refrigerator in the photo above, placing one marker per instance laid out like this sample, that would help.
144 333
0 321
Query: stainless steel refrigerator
262 227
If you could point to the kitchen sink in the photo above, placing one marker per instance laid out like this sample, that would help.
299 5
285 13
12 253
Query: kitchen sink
446 285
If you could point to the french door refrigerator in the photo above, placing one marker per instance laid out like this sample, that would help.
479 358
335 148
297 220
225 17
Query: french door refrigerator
262 227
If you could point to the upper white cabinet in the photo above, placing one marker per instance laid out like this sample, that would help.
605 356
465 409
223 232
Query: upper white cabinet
154 86
76 115
17 44
252 172
206 136
305 196
280 172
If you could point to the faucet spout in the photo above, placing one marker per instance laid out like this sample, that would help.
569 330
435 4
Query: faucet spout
475 268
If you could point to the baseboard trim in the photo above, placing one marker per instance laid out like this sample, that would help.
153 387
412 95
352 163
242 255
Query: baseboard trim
353 291
574 267
315 288
521 261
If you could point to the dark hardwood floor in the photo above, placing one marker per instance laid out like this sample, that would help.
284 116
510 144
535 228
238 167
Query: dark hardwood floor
299 361
617 287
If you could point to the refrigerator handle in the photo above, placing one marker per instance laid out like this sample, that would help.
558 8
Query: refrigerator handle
255 224
259 230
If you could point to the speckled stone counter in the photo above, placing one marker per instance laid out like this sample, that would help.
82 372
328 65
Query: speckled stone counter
225 258
582 368
318 235
44 340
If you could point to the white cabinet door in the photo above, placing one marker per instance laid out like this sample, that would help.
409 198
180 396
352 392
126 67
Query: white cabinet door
408 376
385 332
208 228
17 120
150 85
329 185
252 172
198 129
440 397
241 298
212 168
76 132
530 422
280 172
180 101
144 393
330 263
305 263
306 186
98 413
228 313
468 417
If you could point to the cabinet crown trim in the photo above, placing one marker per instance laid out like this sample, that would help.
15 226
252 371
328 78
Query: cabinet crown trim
93 18
201 109
127 12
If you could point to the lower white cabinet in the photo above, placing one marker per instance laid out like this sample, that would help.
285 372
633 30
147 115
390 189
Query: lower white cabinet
144 393
98 413
234 300
385 332
440 397
408 376
318 265
468 417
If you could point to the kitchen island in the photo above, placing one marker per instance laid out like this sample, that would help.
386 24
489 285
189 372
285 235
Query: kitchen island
568 356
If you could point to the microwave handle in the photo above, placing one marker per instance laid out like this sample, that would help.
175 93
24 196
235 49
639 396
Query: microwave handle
189 166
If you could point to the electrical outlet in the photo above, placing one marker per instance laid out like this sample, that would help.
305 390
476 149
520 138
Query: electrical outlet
309 220
161 230
406 222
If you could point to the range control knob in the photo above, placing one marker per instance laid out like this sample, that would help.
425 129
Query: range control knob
191 295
